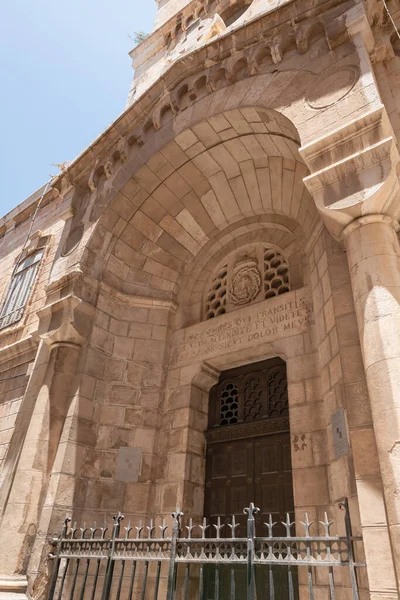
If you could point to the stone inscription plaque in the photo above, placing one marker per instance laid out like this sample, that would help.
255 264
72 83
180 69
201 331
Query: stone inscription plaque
339 433
128 464
276 318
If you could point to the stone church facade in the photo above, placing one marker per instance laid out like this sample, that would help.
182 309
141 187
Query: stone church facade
242 213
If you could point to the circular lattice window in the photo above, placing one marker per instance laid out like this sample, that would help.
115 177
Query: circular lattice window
276 273
216 297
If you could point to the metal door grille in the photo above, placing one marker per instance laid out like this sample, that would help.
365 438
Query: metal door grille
94 563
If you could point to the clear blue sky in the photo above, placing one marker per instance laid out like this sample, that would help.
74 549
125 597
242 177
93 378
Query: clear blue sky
65 75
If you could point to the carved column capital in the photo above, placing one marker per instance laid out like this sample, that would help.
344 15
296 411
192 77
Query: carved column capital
379 218
353 172
67 321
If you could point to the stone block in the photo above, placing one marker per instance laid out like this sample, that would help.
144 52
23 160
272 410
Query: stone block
140 331
358 404
144 438
178 467
178 185
335 370
339 479
147 179
378 553
170 497
310 486
151 398
352 364
128 256
296 393
347 329
152 351
319 448
123 395
123 347
114 370
111 415
153 209
95 362
121 436
134 417
151 418
146 226
365 453
306 418
329 315
179 397
135 373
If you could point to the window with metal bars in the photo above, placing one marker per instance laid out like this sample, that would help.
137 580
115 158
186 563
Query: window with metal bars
19 289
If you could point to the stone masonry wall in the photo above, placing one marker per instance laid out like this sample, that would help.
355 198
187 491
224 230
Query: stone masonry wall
14 374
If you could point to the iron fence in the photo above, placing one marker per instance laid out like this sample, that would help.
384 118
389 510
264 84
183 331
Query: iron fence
97 563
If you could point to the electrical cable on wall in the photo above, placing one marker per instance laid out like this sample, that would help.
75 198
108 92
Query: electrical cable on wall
31 227
391 18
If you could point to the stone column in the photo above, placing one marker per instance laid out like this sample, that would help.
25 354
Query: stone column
374 260
19 527
355 185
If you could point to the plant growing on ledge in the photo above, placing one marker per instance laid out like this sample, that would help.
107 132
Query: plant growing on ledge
138 37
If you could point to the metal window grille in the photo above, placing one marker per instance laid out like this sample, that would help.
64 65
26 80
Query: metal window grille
196 561
19 289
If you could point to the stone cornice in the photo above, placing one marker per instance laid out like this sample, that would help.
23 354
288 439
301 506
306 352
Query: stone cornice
137 301
353 171
65 321
19 348
155 41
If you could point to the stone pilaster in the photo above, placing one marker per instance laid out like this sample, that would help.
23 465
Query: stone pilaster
181 446
353 179
64 327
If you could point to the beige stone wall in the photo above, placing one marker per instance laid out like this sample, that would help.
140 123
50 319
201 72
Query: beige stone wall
14 374
124 374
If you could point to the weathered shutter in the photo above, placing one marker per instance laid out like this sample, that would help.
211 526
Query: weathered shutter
19 290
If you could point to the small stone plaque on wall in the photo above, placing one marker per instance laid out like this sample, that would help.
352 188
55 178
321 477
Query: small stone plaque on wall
128 464
339 433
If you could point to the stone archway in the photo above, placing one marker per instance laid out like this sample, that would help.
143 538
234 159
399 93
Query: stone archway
199 193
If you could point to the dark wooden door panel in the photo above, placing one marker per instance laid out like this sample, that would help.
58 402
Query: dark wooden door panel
248 460
229 481
252 470
273 477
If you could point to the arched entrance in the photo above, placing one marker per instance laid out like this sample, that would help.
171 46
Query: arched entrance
249 460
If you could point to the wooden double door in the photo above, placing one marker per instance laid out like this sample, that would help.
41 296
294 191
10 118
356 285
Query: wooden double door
249 460
255 469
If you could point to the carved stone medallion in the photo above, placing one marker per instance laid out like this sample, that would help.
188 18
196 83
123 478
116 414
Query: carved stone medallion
246 281
332 87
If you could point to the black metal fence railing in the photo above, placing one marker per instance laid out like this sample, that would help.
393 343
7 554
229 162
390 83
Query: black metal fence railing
100 564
